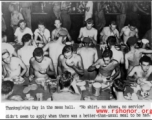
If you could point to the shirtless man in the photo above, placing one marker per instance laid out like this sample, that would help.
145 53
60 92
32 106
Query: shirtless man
89 56
26 52
106 66
109 31
55 47
133 56
68 61
129 31
41 66
142 71
88 31
12 66
57 29
7 46
117 55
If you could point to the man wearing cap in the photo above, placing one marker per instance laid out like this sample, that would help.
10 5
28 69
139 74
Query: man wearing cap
55 32
88 31
109 31
55 47
133 56
89 56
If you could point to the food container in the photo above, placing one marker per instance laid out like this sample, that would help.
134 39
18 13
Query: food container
96 88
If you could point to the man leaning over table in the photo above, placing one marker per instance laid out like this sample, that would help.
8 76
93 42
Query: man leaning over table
41 67
106 66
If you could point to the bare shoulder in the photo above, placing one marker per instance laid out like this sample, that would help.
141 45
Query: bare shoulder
115 62
61 57
32 59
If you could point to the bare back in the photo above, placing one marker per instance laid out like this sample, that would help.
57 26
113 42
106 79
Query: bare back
89 56
55 49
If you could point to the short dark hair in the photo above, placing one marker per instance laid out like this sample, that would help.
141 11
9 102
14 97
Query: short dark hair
4 52
26 38
21 22
127 90
7 87
89 21
67 48
107 53
111 40
38 52
113 23
145 59
66 79
41 23
3 34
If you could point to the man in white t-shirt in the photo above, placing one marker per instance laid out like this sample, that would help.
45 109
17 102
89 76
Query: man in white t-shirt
89 10
7 46
22 30
88 31
43 34
129 31
109 31
26 52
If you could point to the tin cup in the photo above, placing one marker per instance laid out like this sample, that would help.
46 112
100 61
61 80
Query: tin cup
96 89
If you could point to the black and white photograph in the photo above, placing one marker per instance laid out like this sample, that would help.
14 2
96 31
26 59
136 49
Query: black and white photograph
76 51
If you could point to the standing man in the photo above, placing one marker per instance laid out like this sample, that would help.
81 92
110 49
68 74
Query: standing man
109 31
89 56
88 31
16 16
121 18
26 12
89 10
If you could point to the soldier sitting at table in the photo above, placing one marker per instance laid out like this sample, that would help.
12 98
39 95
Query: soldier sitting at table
41 67
12 66
7 46
106 66
7 89
66 93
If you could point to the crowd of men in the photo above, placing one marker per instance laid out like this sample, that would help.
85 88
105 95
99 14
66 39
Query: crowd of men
52 54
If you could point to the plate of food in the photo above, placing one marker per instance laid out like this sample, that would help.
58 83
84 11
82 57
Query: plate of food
29 97
16 98
81 83
18 80
33 87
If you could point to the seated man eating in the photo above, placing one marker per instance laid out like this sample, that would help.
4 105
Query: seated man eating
142 71
106 66
12 66
41 67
